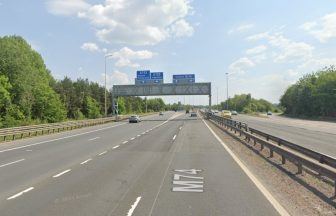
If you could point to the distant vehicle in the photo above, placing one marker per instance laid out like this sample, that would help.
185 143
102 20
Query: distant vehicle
226 114
134 119
187 111
234 113
269 113
161 113
193 114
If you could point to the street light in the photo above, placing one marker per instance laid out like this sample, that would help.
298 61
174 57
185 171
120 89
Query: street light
106 56
227 91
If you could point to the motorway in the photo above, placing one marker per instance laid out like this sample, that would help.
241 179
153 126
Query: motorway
316 135
165 165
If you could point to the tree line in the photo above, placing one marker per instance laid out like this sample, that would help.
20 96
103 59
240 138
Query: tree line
244 103
313 95
30 95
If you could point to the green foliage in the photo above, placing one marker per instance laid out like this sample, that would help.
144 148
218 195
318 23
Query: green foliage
313 95
5 87
47 107
155 104
91 108
246 104
78 115
121 106
73 94
23 69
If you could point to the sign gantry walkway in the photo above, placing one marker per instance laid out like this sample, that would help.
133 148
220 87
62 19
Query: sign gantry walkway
161 90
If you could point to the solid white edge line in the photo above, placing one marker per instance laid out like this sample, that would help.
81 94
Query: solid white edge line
61 138
281 210
174 137
130 212
61 173
104 152
20 193
17 161
84 162
116 147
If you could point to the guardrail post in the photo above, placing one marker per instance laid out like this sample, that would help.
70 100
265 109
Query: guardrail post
299 165
271 153
283 159
279 142
261 147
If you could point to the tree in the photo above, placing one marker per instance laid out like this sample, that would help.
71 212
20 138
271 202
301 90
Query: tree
313 95
5 87
26 72
48 106
91 108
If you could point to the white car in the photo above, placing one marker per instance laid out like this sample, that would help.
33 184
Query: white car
134 119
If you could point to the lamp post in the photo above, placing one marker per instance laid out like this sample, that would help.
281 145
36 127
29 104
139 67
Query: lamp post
217 99
227 90
106 56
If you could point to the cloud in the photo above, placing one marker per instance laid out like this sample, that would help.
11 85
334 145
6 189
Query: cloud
125 56
241 65
116 78
256 50
182 28
324 29
241 28
66 7
258 36
91 47
134 22
268 86
285 49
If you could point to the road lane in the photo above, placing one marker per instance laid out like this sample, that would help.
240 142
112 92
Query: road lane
318 136
138 178
46 160
96 188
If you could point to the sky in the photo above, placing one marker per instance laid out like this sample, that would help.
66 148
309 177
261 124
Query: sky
264 45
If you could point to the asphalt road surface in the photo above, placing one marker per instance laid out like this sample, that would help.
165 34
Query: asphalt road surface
316 135
165 165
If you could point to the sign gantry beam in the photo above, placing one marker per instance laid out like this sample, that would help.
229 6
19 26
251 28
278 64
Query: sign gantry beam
162 89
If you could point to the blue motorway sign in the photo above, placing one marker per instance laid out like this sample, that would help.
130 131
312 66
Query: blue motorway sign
184 78
143 75
157 75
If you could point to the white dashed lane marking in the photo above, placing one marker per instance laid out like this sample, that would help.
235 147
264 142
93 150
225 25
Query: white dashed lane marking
20 193
94 138
130 212
84 162
61 173
104 152
17 161
116 147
